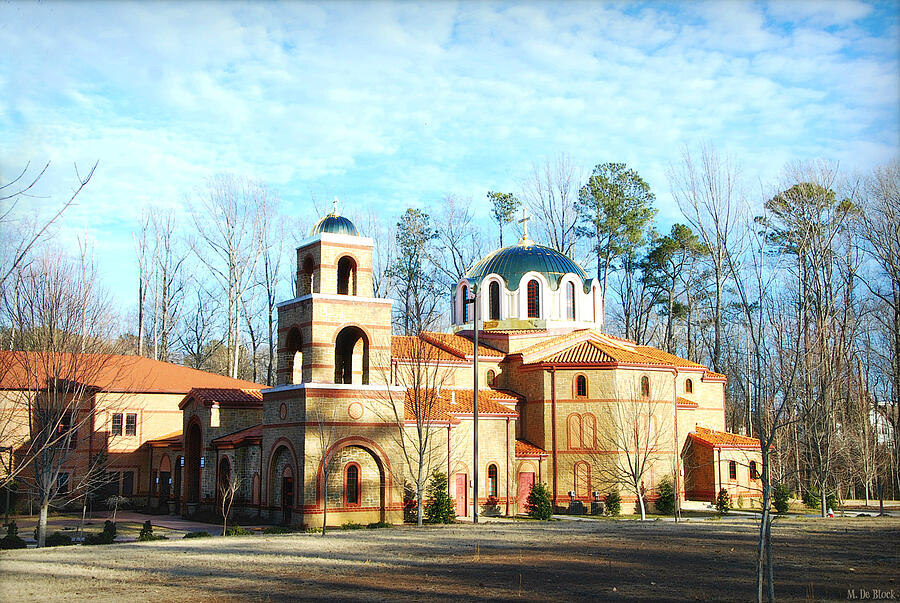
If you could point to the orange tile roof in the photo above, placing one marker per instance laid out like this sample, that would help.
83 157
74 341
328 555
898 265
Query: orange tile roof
108 373
685 402
459 345
239 437
723 439
409 347
449 403
666 357
584 352
524 448
166 440
553 341
229 397
714 376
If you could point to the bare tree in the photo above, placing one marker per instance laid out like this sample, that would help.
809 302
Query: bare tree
550 192
63 326
708 195
412 404
229 487
639 428
18 236
228 219
459 241
880 217
325 436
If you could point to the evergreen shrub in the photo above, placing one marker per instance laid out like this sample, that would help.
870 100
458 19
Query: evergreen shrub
237 531
613 503
665 504
781 495
723 502
539 504
439 507
12 540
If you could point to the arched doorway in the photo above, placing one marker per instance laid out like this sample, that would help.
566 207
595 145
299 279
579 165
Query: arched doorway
358 478
282 484
193 450
351 356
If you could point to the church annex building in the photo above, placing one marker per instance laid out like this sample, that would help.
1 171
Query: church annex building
557 400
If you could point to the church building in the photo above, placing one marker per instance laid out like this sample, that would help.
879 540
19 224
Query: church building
559 401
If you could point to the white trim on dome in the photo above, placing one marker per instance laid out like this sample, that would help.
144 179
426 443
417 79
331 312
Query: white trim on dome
543 290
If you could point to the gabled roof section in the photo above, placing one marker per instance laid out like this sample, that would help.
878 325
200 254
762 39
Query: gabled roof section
525 449
107 373
723 439
251 435
587 346
224 397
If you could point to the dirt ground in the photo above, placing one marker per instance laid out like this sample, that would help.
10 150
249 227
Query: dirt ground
815 559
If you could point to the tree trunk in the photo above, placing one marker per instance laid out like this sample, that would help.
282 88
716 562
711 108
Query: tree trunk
324 503
42 522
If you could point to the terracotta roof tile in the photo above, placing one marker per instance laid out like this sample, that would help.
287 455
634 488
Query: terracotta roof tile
228 397
552 342
459 345
723 439
238 437
685 402
109 373
524 448
714 376
584 352
166 440
449 403
666 357
408 347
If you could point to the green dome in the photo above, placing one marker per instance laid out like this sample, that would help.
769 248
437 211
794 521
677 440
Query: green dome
334 224
511 263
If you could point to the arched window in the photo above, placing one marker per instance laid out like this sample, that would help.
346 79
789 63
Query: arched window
754 473
306 277
494 300
574 425
588 431
465 304
534 299
352 485
645 386
689 386
570 301
492 480
346 273
581 386
582 479
293 348
732 470
490 378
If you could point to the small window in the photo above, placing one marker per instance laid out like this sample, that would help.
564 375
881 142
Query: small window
645 386
492 480
581 386
689 386
131 424
490 378
570 301
494 299
465 304
65 429
754 473
534 299
62 483
117 424
352 484
732 470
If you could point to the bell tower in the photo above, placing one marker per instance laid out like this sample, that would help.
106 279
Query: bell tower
334 331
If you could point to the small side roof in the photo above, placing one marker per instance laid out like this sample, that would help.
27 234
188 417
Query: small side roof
224 397
723 439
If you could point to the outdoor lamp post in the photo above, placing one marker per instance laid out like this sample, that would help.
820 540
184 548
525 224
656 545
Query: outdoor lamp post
474 300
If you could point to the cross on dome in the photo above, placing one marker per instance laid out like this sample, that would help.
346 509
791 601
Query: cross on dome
334 204
524 223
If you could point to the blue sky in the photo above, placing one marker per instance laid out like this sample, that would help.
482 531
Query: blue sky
390 105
